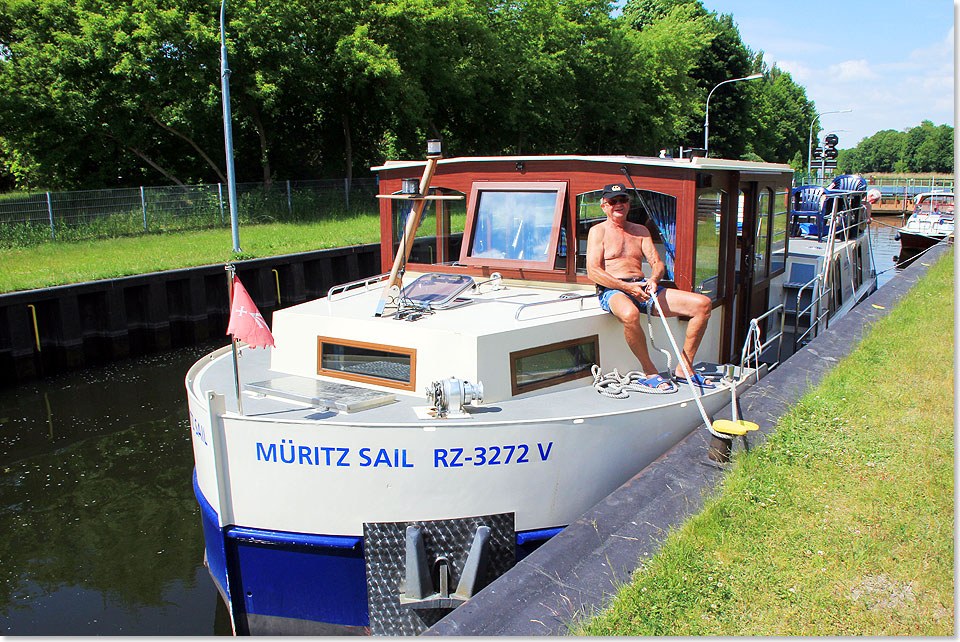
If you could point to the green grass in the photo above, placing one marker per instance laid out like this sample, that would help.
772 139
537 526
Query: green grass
842 523
58 263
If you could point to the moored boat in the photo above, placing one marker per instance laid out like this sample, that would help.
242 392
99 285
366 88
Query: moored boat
930 222
411 436
831 263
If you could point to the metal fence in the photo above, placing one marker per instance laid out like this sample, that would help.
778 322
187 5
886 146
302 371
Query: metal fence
137 210
896 192
888 185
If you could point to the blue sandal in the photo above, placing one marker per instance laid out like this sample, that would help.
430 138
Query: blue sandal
697 380
656 381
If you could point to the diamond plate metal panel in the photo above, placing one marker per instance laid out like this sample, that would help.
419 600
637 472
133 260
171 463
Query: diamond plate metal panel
384 551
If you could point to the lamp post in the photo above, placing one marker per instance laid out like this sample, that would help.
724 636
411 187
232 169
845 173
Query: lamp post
810 136
706 118
228 132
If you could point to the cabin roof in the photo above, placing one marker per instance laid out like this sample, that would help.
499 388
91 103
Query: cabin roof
684 163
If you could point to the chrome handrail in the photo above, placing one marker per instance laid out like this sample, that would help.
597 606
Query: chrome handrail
569 296
814 300
339 289
755 326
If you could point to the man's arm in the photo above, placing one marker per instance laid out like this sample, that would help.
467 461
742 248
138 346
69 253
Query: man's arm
657 267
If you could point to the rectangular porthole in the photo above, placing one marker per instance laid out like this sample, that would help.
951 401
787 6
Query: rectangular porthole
368 362
551 364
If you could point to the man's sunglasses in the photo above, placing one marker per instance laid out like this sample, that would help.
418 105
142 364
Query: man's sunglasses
617 200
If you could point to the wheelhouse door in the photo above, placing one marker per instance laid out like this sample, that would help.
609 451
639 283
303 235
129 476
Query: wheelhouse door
743 268
760 248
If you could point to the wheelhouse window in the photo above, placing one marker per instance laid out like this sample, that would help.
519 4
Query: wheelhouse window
439 233
761 247
778 244
367 362
549 365
706 274
513 225
655 210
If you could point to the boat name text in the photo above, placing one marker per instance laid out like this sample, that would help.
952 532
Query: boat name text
198 429
287 452
490 456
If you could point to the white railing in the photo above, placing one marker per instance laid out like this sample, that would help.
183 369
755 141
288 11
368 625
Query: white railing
567 296
754 333
361 283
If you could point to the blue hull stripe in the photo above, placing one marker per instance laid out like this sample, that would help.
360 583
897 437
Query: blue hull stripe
212 539
528 536
302 539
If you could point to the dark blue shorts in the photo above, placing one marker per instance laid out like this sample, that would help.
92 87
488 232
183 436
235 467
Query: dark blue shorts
606 293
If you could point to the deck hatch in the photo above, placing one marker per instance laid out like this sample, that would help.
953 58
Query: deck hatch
329 394
367 362
548 365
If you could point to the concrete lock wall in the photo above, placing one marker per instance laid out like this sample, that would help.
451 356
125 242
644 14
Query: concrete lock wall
101 321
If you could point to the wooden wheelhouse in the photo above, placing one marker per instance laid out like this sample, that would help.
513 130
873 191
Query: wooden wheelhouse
719 225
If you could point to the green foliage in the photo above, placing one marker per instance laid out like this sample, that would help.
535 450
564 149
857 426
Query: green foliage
922 149
129 93
780 116
796 163
763 118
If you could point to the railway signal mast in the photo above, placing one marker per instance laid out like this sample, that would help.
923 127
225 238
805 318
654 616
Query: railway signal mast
827 154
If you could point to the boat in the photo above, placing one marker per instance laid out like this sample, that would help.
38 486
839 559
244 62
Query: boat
831 267
930 222
411 436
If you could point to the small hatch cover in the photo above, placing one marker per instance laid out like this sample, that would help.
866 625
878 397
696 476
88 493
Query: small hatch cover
340 396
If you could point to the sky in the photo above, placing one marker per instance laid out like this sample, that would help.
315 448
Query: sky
890 61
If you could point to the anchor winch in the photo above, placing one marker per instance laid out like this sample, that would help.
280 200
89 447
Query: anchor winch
451 395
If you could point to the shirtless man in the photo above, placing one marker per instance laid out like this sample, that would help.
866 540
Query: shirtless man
615 251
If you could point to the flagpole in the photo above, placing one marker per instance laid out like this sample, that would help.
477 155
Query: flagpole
233 340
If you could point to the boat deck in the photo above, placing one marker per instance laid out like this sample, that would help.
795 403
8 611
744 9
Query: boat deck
215 374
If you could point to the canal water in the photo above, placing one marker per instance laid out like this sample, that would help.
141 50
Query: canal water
99 529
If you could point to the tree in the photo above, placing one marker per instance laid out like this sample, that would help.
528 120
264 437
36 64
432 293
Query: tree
100 93
760 119
926 148
104 81
778 123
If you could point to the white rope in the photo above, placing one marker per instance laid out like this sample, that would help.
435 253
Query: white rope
753 332
687 374
617 386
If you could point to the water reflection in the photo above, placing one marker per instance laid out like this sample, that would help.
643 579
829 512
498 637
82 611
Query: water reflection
886 249
98 524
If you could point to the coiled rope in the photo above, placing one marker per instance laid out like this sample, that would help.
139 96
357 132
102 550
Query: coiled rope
619 386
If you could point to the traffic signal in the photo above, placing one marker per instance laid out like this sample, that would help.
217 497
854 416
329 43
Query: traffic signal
817 152
830 146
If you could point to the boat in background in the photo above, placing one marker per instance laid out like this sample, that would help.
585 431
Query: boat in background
832 266
412 435
930 222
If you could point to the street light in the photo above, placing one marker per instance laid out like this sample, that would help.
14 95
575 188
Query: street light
706 118
810 136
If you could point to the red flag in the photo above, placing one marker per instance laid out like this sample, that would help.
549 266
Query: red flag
246 322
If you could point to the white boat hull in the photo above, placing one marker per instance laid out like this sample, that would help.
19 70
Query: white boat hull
547 471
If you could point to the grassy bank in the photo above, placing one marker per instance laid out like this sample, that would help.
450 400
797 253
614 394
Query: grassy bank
60 263
842 523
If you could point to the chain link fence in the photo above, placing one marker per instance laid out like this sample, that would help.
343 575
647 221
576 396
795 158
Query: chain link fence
36 218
